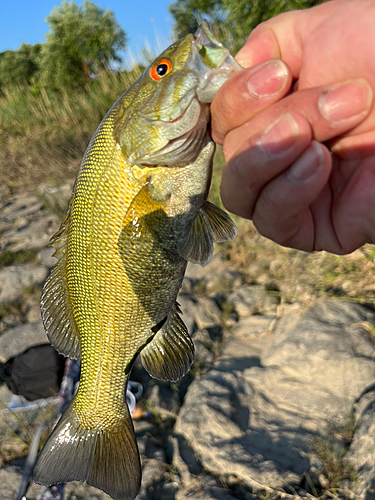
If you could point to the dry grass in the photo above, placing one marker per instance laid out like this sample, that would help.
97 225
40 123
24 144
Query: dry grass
44 134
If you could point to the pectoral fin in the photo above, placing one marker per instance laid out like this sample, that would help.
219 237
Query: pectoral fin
197 246
171 352
211 225
221 225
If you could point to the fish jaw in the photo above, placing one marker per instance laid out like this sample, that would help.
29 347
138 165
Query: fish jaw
170 124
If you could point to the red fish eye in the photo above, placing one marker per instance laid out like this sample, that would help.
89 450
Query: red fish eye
160 69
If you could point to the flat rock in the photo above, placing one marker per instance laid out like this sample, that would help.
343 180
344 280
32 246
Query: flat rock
35 234
251 299
199 313
215 277
14 280
17 340
254 415
28 221
45 257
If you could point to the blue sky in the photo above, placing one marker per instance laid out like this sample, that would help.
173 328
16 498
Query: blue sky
145 22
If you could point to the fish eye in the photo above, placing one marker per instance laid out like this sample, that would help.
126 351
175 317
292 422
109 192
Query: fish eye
160 69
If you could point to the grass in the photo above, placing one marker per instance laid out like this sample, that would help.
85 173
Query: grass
43 134
331 450
17 430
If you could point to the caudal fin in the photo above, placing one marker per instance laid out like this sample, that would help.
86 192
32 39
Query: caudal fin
108 460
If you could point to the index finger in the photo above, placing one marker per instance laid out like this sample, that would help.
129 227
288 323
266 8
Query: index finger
246 94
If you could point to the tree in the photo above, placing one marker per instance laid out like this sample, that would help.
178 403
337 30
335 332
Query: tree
232 20
17 67
83 41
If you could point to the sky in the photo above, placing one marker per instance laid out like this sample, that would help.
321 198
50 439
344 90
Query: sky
146 22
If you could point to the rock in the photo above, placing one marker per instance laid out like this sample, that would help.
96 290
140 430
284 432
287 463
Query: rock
33 314
187 307
27 222
30 235
161 395
5 396
215 277
81 491
56 199
202 313
14 280
10 481
251 299
362 449
143 429
17 208
19 339
253 326
205 348
152 479
254 415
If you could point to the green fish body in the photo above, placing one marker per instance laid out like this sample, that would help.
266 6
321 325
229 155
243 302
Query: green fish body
138 213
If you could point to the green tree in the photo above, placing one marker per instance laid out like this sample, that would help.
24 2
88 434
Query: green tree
83 41
232 20
17 67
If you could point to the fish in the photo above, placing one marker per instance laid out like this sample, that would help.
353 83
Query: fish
137 215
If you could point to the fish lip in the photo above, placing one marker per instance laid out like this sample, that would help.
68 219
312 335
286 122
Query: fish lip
213 66
203 36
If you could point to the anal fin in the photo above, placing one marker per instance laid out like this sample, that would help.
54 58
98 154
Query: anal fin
171 352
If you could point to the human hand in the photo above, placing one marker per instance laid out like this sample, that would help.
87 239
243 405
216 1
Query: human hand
302 165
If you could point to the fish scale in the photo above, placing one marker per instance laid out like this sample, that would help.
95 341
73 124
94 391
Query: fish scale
137 215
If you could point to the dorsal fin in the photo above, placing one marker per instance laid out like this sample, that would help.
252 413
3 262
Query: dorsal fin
56 310
171 352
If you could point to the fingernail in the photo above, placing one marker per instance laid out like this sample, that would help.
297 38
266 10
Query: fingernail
269 79
307 164
347 101
280 137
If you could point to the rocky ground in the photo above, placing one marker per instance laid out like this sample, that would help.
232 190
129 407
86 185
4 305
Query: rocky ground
279 403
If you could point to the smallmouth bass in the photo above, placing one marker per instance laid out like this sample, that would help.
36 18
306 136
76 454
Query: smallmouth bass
137 215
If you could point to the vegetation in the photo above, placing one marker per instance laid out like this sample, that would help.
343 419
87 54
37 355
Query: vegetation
233 19
18 67
83 41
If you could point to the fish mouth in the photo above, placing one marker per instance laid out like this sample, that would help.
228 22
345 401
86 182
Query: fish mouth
184 128
212 62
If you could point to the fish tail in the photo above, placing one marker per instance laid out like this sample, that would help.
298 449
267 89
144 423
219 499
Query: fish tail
106 459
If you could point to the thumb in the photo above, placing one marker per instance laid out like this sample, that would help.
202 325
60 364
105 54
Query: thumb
283 36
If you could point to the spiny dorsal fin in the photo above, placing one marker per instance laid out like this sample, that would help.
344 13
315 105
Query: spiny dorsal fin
197 246
56 310
222 226
171 352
